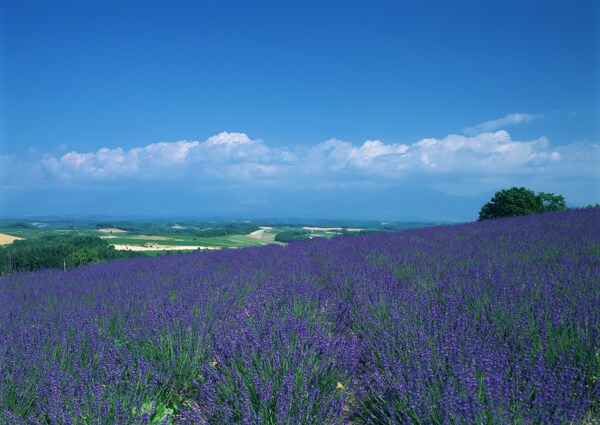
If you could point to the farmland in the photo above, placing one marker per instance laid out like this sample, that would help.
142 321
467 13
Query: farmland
493 322
67 243
141 234
191 235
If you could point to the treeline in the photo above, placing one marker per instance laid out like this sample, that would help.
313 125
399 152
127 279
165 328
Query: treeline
17 225
288 236
346 232
292 236
518 201
230 229
57 251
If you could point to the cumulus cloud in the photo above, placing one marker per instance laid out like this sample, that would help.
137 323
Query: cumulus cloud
338 155
235 158
114 163
225 154
508 120
228 139
485 153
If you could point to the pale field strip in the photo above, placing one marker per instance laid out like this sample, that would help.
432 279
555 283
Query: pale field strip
328 229
259 233
8 239
153 238
155 247
142 238
111 230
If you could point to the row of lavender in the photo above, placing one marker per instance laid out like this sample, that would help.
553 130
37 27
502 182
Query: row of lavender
492 322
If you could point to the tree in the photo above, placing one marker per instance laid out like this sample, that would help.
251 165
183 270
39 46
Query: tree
518 201
292 236
552 202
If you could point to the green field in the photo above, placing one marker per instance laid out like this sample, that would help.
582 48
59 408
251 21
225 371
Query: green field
169 240
186 240
192 234
182 239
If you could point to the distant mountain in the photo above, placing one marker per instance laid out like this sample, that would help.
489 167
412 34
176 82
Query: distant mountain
400 203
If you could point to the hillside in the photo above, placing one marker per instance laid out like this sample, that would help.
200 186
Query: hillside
488 322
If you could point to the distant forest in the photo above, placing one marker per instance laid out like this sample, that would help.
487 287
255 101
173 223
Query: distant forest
230 229
294 235
57 251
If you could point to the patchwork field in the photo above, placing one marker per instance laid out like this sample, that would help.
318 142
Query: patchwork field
494 322
156 247
185 241
111 230
190 235
7 239
260 233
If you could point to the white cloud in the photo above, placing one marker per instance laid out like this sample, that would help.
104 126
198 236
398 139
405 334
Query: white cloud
165 153
508 120
229 159
115 163
225 138
339 155
226 155
486 153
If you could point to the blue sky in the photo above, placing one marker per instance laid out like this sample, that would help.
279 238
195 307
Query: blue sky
296 108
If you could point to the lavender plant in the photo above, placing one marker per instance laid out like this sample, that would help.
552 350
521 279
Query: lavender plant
494 322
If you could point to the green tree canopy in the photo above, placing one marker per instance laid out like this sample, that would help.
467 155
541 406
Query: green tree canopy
520 201
292 235
552 202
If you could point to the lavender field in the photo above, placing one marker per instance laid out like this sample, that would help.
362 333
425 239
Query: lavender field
495 322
